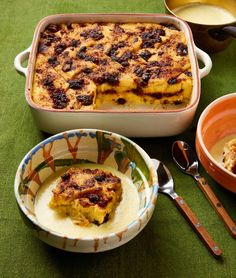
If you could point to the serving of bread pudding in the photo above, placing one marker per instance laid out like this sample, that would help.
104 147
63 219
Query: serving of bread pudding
87 195
92 66
229 156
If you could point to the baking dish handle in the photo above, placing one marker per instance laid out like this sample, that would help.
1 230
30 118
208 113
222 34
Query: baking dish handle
205 58
20 58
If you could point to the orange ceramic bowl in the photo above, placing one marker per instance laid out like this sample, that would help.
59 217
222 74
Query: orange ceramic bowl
217 121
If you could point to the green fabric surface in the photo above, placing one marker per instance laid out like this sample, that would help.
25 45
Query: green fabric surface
167 247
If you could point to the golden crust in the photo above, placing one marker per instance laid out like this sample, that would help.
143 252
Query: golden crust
87 196
124 64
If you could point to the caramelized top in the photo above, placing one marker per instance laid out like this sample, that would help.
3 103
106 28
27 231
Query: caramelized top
92 58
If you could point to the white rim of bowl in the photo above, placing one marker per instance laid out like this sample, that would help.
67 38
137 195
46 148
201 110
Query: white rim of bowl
131 225
199 128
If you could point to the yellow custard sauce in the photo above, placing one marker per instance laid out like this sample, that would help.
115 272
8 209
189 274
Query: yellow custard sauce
217 150
126 211
204 14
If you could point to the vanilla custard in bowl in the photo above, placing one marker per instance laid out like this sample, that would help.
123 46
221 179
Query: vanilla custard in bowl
204 14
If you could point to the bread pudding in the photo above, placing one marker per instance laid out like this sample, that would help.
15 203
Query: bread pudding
88 66
229 156
87 195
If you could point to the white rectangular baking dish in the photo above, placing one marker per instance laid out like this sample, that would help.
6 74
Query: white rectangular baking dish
129 123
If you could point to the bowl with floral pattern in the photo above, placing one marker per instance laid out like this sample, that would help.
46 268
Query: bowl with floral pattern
43 165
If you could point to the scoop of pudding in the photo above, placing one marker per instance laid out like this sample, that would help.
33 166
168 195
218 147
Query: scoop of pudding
87 196
229 156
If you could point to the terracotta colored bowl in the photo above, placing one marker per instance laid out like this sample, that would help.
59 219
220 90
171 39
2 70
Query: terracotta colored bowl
217 121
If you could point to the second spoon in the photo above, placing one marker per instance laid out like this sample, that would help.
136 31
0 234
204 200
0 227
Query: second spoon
187 161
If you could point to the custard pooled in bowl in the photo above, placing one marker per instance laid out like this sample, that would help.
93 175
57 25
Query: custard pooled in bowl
87 195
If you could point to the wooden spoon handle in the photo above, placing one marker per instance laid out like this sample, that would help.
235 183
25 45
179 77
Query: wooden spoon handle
223 214
201 231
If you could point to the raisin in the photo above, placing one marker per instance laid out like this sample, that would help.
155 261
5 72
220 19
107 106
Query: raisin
188 73
42 48
138 71
80 55
145 54
94 198
53 61
99 46
65 176
74 43
50 38
118 29
48 81
125 64
172 81
111 78
67 66
123 60
93 33
121 101
182 49
114 58
74 185
100 178
69 26
53 28
153 64
92 59
87 70
150 43
151 37
83 49
98 79
103 62
114 48
59 98
145 78
76 83
85 99
59 48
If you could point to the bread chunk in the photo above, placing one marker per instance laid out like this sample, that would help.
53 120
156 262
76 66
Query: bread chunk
229 156
112 65
87 196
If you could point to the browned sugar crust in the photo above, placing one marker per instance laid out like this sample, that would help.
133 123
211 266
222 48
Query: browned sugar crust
79 65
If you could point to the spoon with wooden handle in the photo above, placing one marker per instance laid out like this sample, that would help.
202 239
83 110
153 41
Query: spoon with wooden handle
166 186
186 159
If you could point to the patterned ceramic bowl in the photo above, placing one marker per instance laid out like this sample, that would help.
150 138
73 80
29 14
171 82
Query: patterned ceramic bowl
215 125
75 147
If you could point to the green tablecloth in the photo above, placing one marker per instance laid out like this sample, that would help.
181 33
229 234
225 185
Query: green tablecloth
167 247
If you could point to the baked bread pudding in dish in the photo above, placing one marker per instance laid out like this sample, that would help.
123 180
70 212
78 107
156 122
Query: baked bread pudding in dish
87 196
92 66
229 156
